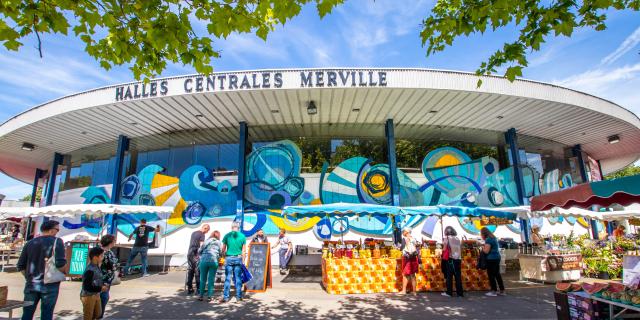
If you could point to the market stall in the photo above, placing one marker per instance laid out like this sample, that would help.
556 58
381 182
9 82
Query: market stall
374 265
77 249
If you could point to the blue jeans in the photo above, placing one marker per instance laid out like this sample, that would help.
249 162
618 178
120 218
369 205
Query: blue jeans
104 299
232 268
284 258
207 276
48 295
143 256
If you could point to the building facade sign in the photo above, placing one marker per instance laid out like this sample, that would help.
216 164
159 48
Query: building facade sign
251 81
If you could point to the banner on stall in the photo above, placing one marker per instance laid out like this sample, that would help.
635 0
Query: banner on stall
494 221
565 262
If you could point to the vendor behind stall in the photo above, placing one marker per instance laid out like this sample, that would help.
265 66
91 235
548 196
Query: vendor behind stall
619 232
536 238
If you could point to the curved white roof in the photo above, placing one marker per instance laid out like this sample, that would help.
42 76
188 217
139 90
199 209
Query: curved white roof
423 103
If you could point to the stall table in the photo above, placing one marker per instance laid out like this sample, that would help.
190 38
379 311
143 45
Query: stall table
550 268
376 275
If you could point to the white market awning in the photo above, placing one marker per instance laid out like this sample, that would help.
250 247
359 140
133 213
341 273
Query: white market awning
66 211
628 213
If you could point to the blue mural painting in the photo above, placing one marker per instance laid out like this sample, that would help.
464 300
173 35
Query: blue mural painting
273 180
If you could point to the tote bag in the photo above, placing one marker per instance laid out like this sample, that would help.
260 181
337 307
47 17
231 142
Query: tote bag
51 273
245 275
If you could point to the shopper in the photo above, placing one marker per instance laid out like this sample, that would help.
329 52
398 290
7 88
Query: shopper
92 285
491 249
197 238
35 254
409 261
452 265
140 246
260 237
233 245
619 232
209 254
108 268
285 250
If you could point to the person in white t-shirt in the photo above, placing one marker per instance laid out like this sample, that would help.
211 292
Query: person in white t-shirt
285 250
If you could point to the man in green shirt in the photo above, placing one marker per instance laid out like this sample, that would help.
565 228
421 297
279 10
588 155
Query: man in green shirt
233 245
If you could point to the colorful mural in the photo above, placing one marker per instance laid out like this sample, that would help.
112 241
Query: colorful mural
273 180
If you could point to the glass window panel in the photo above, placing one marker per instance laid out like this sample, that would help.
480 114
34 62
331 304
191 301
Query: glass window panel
100 169
160 157
181 159
228 157
207 156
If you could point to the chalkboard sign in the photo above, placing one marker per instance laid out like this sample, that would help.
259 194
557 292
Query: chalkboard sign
259 264
79 255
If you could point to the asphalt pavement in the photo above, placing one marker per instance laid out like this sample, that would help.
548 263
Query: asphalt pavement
162 296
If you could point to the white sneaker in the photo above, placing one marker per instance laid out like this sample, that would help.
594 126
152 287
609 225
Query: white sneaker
445 294
502 293
491 294
146 275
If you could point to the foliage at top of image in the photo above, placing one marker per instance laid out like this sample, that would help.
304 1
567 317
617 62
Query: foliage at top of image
535 21
148 34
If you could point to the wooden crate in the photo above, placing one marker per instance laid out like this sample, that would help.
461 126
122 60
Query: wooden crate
4 293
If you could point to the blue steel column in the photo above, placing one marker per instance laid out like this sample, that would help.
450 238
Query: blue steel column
242 145
57 160
123 146
34 192
577 152
51 184
512 140
389 133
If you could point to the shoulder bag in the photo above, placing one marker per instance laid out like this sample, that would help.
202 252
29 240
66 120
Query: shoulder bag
51 273
482 260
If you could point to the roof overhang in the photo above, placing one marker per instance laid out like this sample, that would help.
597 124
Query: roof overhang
423 103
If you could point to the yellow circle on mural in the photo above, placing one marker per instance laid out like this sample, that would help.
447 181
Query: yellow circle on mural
447 160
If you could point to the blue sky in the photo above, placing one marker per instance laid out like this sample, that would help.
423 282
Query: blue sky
361 33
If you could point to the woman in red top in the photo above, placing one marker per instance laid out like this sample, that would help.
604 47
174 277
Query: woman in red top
409 261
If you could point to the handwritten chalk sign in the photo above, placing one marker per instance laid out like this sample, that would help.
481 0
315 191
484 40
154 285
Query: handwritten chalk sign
259 264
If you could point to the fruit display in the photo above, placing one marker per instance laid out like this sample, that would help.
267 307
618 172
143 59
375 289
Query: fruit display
369 275
613 291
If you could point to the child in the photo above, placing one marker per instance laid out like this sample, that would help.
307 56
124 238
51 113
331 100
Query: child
92 285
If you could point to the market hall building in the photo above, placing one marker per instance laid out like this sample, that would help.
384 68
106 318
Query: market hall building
402 137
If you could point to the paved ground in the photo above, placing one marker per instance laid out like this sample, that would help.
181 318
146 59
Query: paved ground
163 297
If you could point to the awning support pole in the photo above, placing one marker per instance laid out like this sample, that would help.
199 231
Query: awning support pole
123 147
242 147
389 132
511 138
577 152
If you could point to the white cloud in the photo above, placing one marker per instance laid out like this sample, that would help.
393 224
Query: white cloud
16 191
242 46
52 74
597 80
629 43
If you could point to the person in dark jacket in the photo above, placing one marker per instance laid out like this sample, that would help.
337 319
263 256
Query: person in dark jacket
92 285
32 265
108 268
197 238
